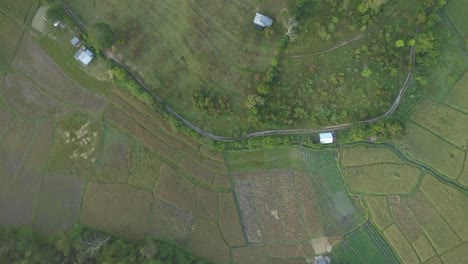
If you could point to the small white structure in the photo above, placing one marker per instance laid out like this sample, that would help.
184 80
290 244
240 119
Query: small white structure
322 260
262 21
75 41
326 138
84 56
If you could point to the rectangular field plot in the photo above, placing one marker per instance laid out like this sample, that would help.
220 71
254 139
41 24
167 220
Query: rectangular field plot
382 178
436 228
444 121
433 151
365 245
405 219
144 167
457 255
11 32
31 60
450 202
28 100
339 212
59 203
423 247
456 11
207 241
400 244
458 97
229 220
290 158
17 9
247 160
379 210
362 155
116 208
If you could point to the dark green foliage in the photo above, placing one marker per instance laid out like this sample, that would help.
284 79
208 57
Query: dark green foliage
383 130
55 12
101 36
124 80
80 245
211 103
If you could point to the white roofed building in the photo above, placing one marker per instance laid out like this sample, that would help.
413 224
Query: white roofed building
326 138
84 56
262 21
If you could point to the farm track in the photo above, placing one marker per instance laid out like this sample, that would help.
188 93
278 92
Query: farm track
277 132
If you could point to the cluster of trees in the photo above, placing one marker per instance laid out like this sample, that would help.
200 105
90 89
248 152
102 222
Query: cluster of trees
80 245
211 103
383 130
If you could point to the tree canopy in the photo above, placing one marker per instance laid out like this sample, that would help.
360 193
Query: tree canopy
101 36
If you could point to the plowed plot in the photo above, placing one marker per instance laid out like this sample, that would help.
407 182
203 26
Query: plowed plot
27 99
59 203
13 147
169 222
207 203
175 189
271 210
196 170
208 242
116 208
18 204
362 155
382 178
229 220
444 121
11 34
31 60
309 204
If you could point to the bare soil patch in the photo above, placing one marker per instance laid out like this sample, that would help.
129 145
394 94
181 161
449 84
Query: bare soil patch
208 242
175 189
229 220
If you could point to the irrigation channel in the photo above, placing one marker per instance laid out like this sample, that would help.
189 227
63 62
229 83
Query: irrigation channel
277 132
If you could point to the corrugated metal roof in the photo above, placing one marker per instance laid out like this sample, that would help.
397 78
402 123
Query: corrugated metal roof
326 138
84 57
262 20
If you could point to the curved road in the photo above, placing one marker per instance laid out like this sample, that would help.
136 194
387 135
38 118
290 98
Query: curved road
207 134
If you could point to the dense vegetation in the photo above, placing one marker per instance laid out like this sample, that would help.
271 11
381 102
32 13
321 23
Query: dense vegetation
80 245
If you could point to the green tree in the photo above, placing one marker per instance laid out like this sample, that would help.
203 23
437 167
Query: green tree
366 72
400 43
55 12
101 36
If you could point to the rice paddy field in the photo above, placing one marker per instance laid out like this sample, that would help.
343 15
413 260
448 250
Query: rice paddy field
99 157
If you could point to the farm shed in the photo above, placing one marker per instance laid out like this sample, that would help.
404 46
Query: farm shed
84 56
326 138
75 41
262 21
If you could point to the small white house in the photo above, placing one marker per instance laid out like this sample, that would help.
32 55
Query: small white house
84 56
262 21
326 138
75 41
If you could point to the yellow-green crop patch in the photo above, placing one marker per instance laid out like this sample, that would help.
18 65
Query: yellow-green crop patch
424 248
382 178
450 202
379 210
436 228
400 244
362 155
208 242
457 255
16 9
458 97
450 124
433 151
11 33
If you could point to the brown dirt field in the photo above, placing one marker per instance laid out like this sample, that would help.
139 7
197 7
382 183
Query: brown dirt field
207 203
251 176
267 211
116 149
286 250
229 220
309 205
125 122
116 208
222 181
32 60
288 205
208 242
16 208
28 100
169 222
13 147
175 189
59 202
406 221
247 211
196 170
251 254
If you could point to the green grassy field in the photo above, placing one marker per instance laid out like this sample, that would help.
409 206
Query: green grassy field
17 10
363 155
456 10
8 44
458 97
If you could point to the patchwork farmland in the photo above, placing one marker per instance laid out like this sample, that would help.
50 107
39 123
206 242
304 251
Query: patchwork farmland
87 152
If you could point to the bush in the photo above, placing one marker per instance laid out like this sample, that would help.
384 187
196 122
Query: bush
100 35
